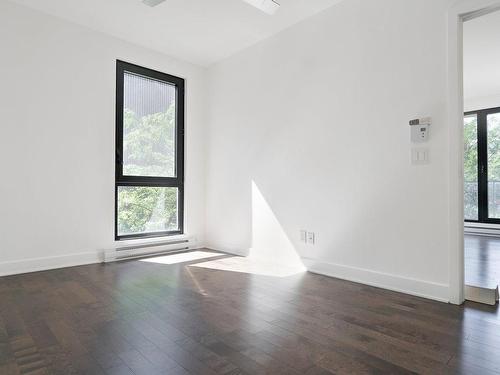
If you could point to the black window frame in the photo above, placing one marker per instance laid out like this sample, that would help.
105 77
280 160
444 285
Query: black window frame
482 164
178 180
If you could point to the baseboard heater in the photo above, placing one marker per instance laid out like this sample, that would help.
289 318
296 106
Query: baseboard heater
149 249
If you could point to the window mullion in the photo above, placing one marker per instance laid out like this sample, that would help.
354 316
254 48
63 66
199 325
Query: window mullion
482 150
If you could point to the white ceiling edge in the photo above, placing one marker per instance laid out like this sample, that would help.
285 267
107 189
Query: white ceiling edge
201 27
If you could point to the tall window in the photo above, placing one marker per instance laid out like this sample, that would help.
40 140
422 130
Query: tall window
482 166
149 153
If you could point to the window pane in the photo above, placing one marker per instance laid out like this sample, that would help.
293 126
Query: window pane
144 209
493 122
148 127
470 168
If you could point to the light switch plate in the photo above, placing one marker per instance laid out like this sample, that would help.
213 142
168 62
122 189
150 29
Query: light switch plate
419 156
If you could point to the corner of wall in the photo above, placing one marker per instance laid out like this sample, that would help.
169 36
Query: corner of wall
227 248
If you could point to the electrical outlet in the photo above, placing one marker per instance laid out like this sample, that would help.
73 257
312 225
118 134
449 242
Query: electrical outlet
303 236
310 238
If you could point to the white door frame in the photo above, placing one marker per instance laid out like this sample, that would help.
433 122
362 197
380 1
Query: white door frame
460 11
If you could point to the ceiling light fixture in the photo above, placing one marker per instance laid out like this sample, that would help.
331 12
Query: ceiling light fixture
267 6
152 3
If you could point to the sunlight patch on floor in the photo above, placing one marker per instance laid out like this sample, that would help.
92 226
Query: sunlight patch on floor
181 257
250 266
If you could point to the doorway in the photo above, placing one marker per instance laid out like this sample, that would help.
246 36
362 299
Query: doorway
481 157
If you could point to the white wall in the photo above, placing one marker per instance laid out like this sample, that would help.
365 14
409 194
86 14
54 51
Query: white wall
57 96
317 117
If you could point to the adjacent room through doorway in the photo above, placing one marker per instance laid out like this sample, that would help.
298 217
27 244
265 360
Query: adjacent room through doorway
482 157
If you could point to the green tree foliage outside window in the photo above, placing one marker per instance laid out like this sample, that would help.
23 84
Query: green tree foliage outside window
147 209
149 144
470 168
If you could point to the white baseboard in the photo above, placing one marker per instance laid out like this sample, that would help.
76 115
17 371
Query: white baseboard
419 288
49 263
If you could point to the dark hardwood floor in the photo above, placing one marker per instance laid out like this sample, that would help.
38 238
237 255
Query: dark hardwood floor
203 317
482 261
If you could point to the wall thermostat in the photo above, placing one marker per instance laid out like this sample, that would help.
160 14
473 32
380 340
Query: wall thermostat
420 129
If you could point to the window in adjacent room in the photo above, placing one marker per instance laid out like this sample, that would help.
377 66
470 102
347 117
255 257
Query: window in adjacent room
482 166
149 153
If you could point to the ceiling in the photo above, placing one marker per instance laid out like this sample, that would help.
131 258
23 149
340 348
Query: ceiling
482 56
198 31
